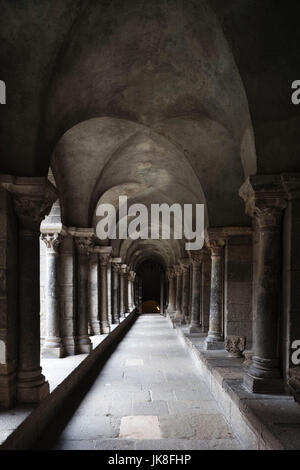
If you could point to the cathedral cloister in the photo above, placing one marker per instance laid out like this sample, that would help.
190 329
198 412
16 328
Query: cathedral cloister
142 343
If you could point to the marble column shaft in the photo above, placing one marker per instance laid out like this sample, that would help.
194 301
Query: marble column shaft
195 326
171 300
214 338
104 255
94 293
185 291
116 290
178 312
123 268
83 244
53 345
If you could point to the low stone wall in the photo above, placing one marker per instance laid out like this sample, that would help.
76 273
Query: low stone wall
43 417
260 422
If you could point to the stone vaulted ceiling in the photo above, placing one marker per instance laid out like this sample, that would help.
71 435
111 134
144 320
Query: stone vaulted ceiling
145 99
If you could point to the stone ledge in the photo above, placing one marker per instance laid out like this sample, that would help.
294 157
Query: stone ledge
27 433
261 422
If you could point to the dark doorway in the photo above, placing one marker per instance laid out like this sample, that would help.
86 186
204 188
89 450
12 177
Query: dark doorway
150 273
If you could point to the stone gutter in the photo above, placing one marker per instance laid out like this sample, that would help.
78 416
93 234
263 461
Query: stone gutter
44 415
260 422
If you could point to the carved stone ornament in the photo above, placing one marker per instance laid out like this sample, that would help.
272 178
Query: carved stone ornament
51 240
235 345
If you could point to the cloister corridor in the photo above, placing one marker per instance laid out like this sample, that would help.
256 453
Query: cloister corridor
149 395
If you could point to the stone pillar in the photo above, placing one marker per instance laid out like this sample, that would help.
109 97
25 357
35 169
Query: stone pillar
68 294
132 275
172 300
126 305
116 290
185 267
123 269
195 257
83 241
52 347
129 289
109 303
104 256
214 338
178 312
162 285
33 198
291 274
8 300
205 289
94 293
265 201
190 295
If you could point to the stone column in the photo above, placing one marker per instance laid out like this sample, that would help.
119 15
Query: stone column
94 292
162 284
214 338
129 289
68 294
195 326
291 273
123 269
185 266
33 198
205 289
178 312
133 274
52 347
172 300
109 303
104 256
126 305
8 300
116 290
83 241
265 201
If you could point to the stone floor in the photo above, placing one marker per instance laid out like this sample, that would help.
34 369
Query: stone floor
149 395
55 370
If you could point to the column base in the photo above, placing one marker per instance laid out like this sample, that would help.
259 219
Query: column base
210 345
105 328
32 387
195 329
95 328
268 386
84 345
69 345
178 316
52 353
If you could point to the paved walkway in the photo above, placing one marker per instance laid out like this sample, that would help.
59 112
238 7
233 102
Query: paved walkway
149 395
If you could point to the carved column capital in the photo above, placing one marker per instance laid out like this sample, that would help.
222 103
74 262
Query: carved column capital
197 256
32 197
235 345
83 244
265 198
170 273
52 241
177 269
185 265
123 269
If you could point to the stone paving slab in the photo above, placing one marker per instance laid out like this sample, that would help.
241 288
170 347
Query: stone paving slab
149 395
262 421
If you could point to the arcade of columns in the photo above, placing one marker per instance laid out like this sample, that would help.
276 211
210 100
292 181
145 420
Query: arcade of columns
215 290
